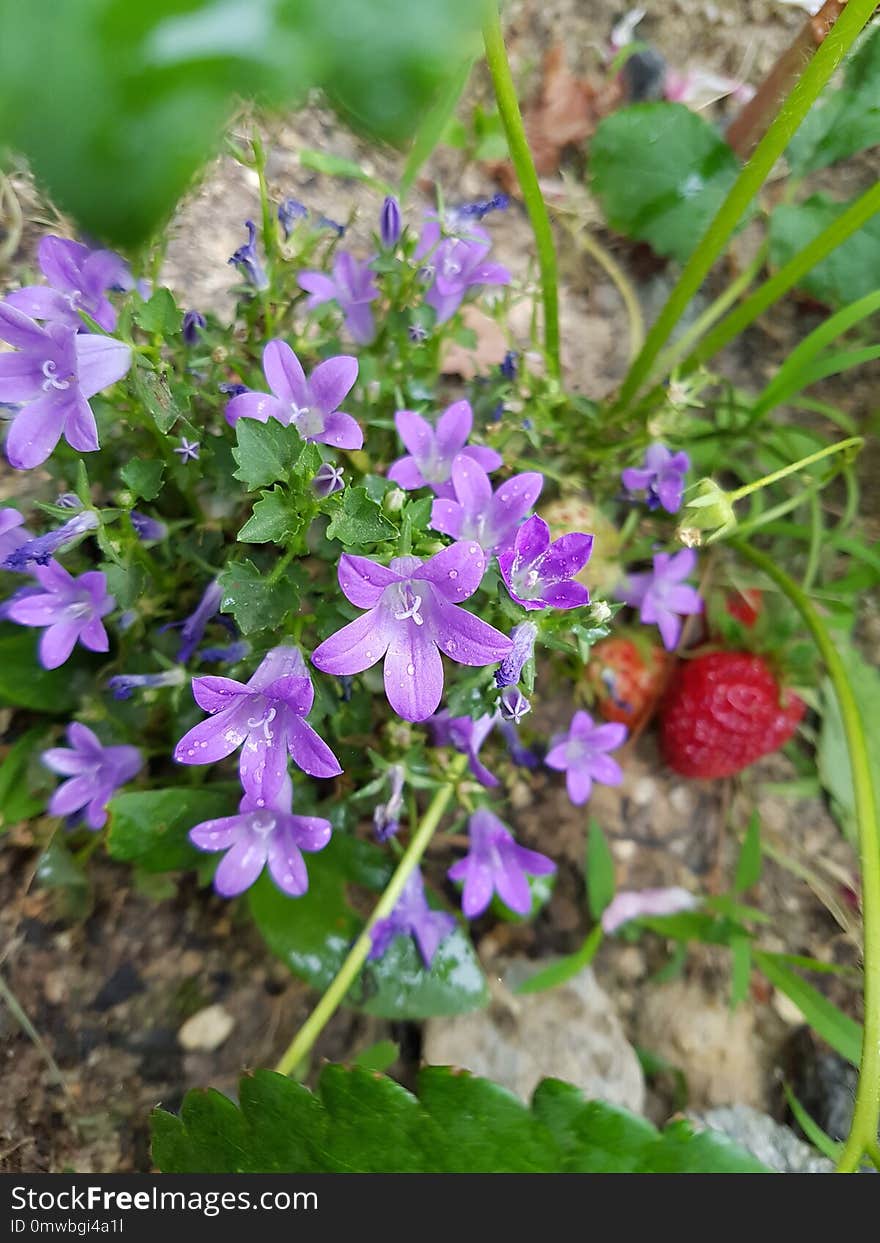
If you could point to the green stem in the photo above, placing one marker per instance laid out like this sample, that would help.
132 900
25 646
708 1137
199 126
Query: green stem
838 41
863 1131
793 467
305 1038
511 118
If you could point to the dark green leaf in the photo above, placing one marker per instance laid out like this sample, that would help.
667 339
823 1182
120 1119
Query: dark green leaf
600 870
378 1056
660 172
273 520
741 969
361 1122
748 865
24 683
18 798
833 753
844 121
265 452
153 391
159 315
849 272
149 827
359 520
144 477
254 602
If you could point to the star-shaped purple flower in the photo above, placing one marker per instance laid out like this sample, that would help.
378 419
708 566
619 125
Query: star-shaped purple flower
327 480
412 917
352 286
266 714
310 405
467 735
662 477
95 772
78 281
263 833
413 616
580 754
188 450
661 596
477 513
432 451
54 372
538 574
496 864
69 608
456 265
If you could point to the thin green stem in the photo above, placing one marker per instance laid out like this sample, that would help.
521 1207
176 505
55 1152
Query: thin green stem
796 106
305 1038
793 468
863 1131
511 118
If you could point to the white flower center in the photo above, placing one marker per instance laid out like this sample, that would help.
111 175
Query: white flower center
307 420
263 822
263 723
413 604
51 381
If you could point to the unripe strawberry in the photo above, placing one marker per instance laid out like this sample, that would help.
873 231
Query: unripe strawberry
628 679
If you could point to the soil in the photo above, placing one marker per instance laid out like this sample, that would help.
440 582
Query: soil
106 995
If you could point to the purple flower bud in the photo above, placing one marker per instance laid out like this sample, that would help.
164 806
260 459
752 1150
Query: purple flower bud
289 212
39 551
123 684
230 389
508 366
192 628
523 637
389 223
248 262
457 216
328 479
194 324
69 500
522 756
386 817
513 704
147 528
417 333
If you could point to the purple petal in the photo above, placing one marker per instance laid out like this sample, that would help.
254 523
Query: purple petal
634 588
93 635
609 736
61 261
416 433
310 833
35 431
319 287
42 302
284 661
680 566
566 557
332 381
532 541
80 429
262 764
670 629
259 406
341 431
472 487
512 886
579 784
557 756
215 694
568 595
286 865
72 795
634 479
294 691
444 304
456 572
467 639
413 672
57 643
453 428
101 361
489 274
670 487
20 331
240 866
360 323
40 609
355 647
215 738
406 474
21 377
682 598
284 374
65 762
489 459
478 887
363 581
217 834
309 751
447 516
606 770
533 862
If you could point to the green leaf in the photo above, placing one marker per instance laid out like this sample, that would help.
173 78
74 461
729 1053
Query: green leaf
144 477
159 315
313 935
19 800
254 602
359 520
741 969
849 272
337 166
748 865
378 1056
24 683
149 827
838 1029
660 172
600 870
832 754
154 392
273 520
566 968
265 452
361 1122
430 132
844 121
830 1148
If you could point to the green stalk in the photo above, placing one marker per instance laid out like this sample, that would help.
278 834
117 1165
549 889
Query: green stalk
794 467
305 1038
511 118
863 1132
798 103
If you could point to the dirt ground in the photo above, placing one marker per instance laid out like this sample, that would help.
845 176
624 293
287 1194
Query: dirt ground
106 996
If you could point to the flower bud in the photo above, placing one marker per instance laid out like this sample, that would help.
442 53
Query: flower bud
710 509
389 223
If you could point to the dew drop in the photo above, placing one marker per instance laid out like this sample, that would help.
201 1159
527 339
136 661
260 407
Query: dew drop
453 573
410 670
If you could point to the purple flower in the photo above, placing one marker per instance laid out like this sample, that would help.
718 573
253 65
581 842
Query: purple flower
432 451
413 616
229 388
495 863
662 476
194 324
147 528
263 833
70 609
417 333
290 211
68 500
41 549
324 222
513 705
352 287
310 405
229 655
386 816
95 772
538 574
192 628
78 280
636 904
187 450
479 514
580 754
508 366
457 218
389 222
521 755
456 265
467 736
412 917
267 714
523 639
248 262
124 684
328 479
12 534
53 374
660 595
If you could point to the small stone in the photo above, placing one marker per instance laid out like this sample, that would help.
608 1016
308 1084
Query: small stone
787 1010
206 1030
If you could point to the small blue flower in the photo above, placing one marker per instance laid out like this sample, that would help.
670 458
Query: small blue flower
513 705
229 655
230 389
328 479
508 366
147 528
290 212
188 450
412 917
194 323
248 262
324 222
192 628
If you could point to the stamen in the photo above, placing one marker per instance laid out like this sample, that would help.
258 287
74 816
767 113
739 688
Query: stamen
413 610
49 370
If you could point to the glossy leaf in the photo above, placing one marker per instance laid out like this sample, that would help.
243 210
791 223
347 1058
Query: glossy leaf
265 452
361 1122
149 827
273 521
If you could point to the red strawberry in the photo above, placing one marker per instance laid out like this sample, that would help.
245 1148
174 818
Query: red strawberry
746 605
628 679
722 712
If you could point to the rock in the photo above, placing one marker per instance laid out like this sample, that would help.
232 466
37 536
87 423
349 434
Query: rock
769 1141
571 1033
206 1030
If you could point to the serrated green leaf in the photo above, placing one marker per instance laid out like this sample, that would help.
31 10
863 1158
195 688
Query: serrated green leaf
124 582
660 172
849 272
254 602
362 1122
273 521
265 452
144 477
359 520
149 827
844 121
159 315
600 870
748 865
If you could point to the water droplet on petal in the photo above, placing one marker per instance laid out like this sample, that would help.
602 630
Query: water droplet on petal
453 573
410 670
